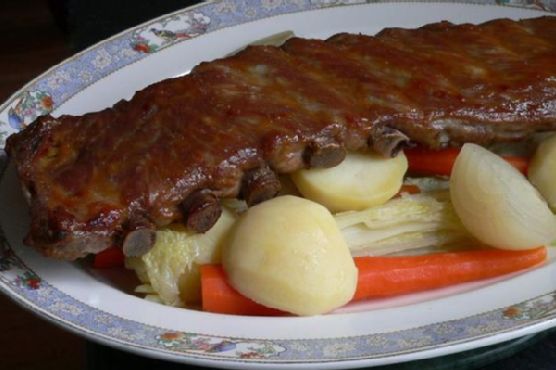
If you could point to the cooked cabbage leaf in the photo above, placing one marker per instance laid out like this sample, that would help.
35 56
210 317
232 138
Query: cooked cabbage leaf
171 267
410 221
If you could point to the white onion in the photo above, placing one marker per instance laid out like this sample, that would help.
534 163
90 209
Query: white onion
497 204
542 171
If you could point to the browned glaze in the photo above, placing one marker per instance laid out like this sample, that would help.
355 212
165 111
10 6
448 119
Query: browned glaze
95 178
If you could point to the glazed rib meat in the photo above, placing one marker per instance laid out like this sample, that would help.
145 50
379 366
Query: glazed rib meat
232 125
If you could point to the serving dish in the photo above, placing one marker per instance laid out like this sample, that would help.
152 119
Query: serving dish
380 332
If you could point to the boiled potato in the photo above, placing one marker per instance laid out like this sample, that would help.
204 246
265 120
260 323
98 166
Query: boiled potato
171 266
542 171
287 253
360 181
497 204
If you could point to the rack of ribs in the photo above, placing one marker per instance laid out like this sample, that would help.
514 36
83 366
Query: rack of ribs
232 125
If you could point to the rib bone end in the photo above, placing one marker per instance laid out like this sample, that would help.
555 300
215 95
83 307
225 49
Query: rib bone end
201 209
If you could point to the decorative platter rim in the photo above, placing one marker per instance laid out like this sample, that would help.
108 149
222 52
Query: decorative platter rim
58 84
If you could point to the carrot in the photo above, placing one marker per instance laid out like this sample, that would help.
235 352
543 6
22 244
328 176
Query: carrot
385 276
409 189
388 276
110 257
423 161
429 162
219 296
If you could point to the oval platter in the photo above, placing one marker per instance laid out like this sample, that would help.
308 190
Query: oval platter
375 333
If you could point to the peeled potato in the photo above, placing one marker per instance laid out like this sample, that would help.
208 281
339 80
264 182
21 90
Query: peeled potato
542 171
360 181
171 266
497 204
287 253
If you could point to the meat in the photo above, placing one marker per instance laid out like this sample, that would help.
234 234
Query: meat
230 126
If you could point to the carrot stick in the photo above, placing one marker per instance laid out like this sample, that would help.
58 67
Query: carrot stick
385 276
110 257
388 276
423 161
219 296
430 162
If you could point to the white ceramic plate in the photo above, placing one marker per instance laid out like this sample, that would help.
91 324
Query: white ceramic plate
374 333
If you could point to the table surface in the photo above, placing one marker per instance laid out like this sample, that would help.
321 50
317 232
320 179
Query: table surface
32 42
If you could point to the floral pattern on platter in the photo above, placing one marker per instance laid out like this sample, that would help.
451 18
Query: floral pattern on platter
379 344
533 4
223 346
325 3
8 260
533 309
166 32
29 279
13 271
29 106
